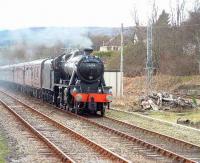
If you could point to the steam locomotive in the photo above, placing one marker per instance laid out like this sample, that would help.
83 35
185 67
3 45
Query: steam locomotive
73 81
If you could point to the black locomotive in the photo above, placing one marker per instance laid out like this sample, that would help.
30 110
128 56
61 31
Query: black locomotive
73 81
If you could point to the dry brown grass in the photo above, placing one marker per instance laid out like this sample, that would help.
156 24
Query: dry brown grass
135 87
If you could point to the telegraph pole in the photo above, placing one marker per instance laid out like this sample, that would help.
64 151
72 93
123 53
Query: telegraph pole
149 62
121 60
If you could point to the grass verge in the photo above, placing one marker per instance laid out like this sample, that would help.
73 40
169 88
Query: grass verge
193 115
3 149
176 131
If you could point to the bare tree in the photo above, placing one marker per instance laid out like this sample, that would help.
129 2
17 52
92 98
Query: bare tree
196 5
182 11
178 12
136 23
172 13
136 16
154 17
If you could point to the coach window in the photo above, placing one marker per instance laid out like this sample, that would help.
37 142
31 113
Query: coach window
37 72
33 73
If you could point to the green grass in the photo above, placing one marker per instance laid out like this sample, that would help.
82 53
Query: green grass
3 149
104 54
179 132
193 115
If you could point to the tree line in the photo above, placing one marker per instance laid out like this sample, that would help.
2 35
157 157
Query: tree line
176 42
175 48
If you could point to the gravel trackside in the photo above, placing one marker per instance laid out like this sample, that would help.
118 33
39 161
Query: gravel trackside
23 146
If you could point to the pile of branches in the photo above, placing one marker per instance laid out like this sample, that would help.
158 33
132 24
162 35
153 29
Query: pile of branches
163 100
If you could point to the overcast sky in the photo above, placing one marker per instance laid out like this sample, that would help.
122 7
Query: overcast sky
107 13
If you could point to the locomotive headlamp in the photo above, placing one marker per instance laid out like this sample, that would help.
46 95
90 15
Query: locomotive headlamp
65 91
74 90
78 98
109 97
99 90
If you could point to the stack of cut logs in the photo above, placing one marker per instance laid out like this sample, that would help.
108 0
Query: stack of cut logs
163 100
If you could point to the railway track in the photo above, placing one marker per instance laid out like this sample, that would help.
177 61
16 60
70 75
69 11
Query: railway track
18 135
167 146
68 145
177 147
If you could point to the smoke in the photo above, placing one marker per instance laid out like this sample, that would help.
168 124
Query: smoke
34 43
70 37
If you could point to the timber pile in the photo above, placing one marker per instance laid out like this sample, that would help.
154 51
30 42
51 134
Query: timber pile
163 100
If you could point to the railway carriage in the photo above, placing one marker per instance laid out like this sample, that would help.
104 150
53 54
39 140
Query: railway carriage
33 77
73 81
7 73
18 74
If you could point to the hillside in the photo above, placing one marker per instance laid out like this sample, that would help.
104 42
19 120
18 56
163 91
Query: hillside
10 37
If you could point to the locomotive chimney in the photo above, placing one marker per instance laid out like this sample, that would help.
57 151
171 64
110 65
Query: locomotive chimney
88 51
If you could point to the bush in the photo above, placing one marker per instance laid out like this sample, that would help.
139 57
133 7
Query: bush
110 58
